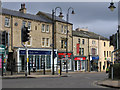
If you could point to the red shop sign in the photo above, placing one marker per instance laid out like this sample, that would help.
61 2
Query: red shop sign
64 53
80 58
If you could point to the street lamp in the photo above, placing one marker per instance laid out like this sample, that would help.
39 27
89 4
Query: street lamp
111 7
53 23
67 37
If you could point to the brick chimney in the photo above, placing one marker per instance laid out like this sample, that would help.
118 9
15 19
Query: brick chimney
23 9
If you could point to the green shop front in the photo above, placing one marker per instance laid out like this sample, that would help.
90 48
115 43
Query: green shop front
3 58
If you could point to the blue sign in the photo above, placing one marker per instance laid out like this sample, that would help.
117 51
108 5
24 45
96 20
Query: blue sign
36 52
95 58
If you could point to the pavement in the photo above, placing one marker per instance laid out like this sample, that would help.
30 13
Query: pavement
109 83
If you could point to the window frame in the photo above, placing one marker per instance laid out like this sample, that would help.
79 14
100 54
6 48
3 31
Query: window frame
47 28
48 42
42 42
29 25
83 41
43 28
8 22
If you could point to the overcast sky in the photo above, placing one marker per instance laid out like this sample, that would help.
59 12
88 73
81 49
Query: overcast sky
92 15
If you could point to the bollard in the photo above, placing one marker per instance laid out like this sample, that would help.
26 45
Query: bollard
11 68
44 69
29 67
60 68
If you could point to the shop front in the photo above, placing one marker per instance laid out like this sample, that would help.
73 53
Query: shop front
94 63
80 63
37 57
63 57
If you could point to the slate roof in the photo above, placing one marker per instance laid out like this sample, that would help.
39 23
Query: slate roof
50 16
25 15
88 34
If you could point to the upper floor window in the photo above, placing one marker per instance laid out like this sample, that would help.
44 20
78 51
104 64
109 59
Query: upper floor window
43 42
109 53
79 40
81 51
104 44
104 53
7 22
62 29
47 28
83 41
47 42
35 27
93 42
43 27
63 43
29 25
23 23
65 30
94 51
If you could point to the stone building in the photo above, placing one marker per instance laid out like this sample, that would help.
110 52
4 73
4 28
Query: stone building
91 51
39 45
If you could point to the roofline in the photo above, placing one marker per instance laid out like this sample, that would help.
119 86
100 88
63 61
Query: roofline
23 17
51 18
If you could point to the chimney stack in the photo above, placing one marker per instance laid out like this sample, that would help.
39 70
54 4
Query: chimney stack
23 9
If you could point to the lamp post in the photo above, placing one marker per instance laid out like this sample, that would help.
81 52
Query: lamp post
112 7
53 28
67 37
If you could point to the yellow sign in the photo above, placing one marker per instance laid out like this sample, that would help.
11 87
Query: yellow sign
27 59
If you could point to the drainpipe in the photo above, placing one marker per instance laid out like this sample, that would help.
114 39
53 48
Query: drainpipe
12 33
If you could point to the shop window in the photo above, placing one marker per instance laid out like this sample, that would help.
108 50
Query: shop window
43 42
29 25
43 27
48 62
7 22
47 28
42 61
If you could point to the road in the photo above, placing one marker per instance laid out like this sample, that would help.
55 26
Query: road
75 80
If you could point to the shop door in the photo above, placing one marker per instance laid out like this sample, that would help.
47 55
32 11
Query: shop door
23 63
75 65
